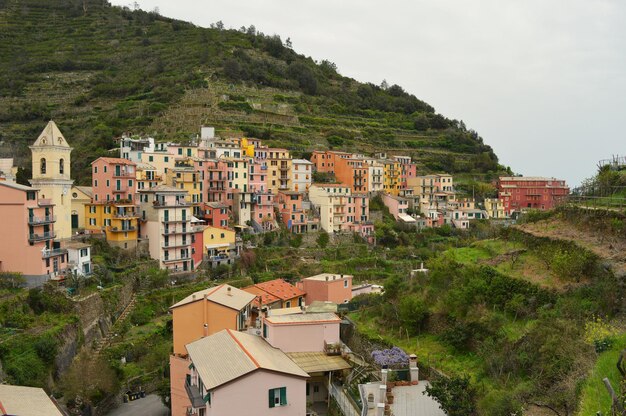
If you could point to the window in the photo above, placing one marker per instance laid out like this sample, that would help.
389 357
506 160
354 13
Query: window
288 304
30 195
42 166
61 166
95 169
278 397
345 283
83 252
150 158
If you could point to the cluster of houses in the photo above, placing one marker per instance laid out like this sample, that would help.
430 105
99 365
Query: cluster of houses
270 348
186 204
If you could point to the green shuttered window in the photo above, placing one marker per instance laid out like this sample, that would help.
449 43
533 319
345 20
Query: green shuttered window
278 397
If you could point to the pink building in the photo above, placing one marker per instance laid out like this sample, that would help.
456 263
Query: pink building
233 373
397 205
263 210
215 214
289 205
257 177
217 182
113 179
28 243
302 332
327 287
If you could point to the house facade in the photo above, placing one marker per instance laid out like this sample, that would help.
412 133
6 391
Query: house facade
327 287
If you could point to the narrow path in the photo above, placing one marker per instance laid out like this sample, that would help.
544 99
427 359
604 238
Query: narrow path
104 342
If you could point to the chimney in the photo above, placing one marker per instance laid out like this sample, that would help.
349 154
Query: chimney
382 393
229 293
380 410
206 330
327 278
193 296
383 375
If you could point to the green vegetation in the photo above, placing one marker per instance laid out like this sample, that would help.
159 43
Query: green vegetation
75 68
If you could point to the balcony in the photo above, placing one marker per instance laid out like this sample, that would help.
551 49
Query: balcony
178 203
171 244
46 254
195 395
332 348
120 190
122 229
175 259
170 231
42 236
125 215
168 220
45 203
42 220
124 174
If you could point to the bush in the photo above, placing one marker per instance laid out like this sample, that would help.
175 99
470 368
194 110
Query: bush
48 299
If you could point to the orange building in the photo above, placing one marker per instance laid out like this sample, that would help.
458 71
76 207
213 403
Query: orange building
197 316
325 161
352 172
277 293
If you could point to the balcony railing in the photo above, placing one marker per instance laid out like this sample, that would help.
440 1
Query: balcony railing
172 259
171 244
195 396
171 231
46 254
125 215
42 236
332 348
45 203
123 229
42 220
124 174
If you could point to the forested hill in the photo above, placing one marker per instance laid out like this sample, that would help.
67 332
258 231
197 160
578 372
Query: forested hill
99 70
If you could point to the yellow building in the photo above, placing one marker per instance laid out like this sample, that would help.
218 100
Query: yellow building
81 196
220 245
147 177
118 221
279 166
182 151
184 176
247 148
391 177
51 175
162 161
494 208
238 168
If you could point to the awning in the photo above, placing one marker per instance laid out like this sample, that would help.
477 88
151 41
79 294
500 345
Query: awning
318 362
406 218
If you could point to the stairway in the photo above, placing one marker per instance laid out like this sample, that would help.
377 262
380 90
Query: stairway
105 341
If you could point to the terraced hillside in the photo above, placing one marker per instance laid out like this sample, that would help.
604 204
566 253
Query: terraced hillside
100 70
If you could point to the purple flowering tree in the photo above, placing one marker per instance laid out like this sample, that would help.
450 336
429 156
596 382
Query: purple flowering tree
392 357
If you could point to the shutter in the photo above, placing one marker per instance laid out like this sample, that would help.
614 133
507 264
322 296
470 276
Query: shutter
271 397
283 396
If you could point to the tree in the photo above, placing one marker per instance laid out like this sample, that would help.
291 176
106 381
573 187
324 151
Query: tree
89 379
413 313
455 395
323 239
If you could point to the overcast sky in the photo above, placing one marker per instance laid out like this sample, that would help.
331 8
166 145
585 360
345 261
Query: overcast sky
542 81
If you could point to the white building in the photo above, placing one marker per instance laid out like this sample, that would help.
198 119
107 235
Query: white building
301 175
79 258
132 149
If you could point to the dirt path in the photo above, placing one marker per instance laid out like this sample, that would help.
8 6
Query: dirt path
610 249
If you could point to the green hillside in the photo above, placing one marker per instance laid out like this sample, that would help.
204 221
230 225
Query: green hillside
99 70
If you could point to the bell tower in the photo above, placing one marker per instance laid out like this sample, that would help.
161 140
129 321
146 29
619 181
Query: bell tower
51 175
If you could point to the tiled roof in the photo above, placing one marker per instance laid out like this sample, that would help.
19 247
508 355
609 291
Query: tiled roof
115 161
228 355
15 185
225 295
280 289
31 401
317 362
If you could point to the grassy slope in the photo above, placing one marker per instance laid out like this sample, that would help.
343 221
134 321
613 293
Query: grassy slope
107 70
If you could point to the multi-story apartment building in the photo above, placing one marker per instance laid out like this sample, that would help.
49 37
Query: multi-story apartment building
132 148
147 176
407 170
263 211
301 175
113 209
326 160
327 287
278 164
30 243
187 175
352 172
52 176
166 223
217 183
397 206
257 176
295 212
375 174
160 159
391 176
215 214
520 193
8 172
494 208
340 210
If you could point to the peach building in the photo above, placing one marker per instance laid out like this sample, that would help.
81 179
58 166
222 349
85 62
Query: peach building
325 161
277 293
327 287
166 223
293 212
29 244
263 211
199 315
234 373
352 172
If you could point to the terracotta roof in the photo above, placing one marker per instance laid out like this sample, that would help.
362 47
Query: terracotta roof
115 161
228 355
31 401
225 295
280 289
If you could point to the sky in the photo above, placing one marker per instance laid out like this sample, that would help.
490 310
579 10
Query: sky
543 82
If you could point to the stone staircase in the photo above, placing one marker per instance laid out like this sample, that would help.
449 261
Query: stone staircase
105 341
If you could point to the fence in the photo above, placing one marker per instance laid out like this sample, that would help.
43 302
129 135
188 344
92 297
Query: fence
346 405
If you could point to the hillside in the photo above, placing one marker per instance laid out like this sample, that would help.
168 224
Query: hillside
100 70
